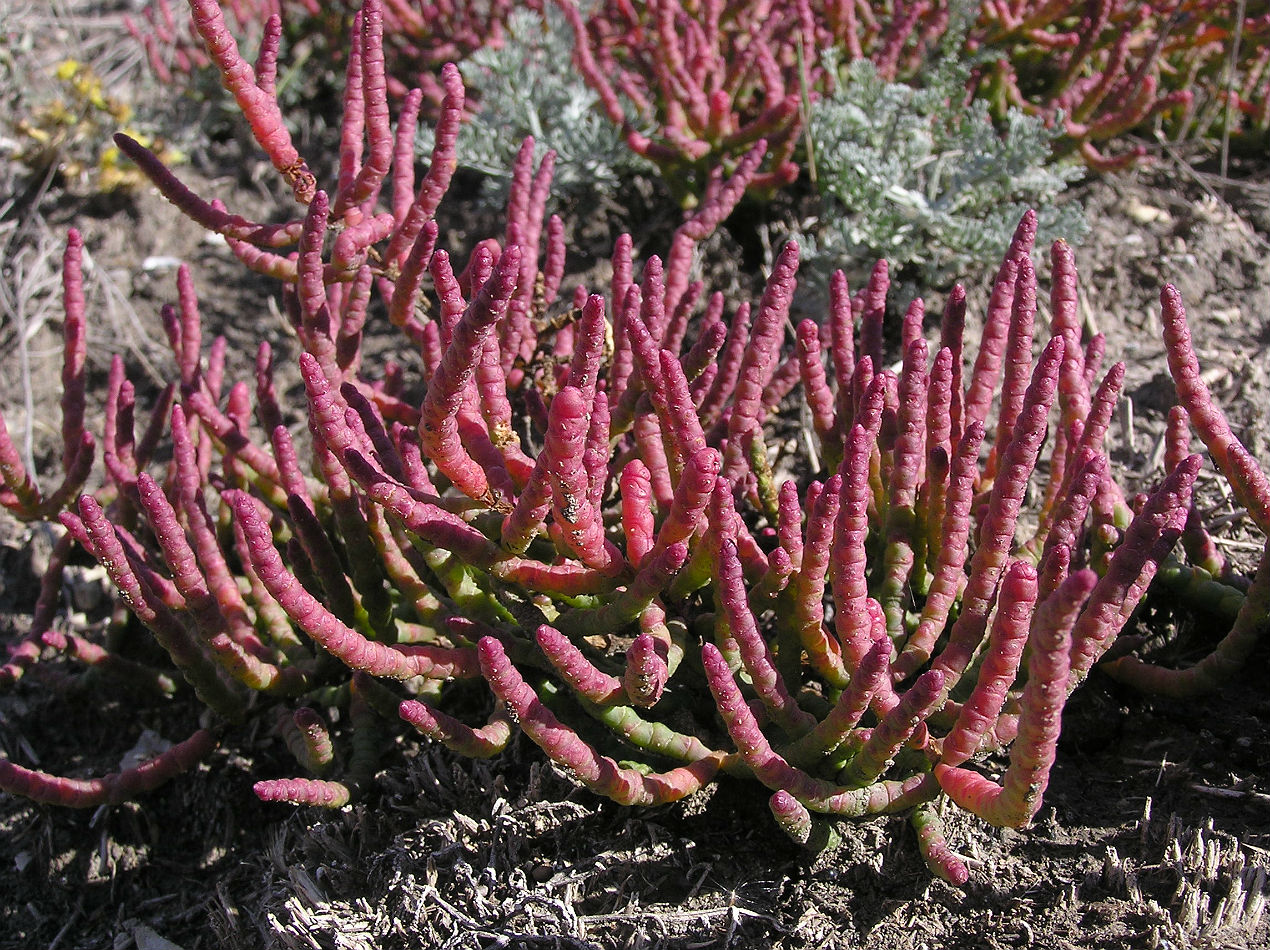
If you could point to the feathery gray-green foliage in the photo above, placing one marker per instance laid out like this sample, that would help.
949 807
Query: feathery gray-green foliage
528 86
914 175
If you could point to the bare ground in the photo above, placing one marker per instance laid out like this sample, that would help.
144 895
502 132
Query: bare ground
1155 831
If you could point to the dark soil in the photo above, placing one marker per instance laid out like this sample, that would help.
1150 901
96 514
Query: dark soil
1156 826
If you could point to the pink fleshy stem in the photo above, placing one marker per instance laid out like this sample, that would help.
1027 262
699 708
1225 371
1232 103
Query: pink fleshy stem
996 327
588 352
639 332
729 370
872 316
996 536
934 847
774 771
408 285
638 523
952 327
110 789
327 630
353 120
646 672
679 413
1196 541
785 377
1149 539
906 474
74 349
852 703
894 730
317 326
1249 483
352 246
780 569
1016 603
743 628
841 343
654 577
652 451
18 491
1069 516
596 772
1017 798
303 791
438 428
702 385
553 261
581 523
1101 411
308 739
157 587
677 327
1226 661
940 443
789 523
1017 361
479 743
368 425
235 442
621 376
259 106
265 69
808 588
271 264
1065 321
760 360
118 430
203 212
596 454
208 618
848 562
692 495
496 411
565 579
375 96
348 339
475 436
188 484
815 835
820 399
443 164
581 675
271 619
199 671
523 522
431 523
26 651
715 206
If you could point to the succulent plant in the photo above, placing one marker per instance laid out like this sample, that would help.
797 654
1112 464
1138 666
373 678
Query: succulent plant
575 514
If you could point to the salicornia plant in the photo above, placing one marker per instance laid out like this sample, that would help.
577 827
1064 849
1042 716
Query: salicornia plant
573 513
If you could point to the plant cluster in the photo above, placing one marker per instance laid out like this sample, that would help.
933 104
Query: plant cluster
571 525
419 37
1102 68
692 85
